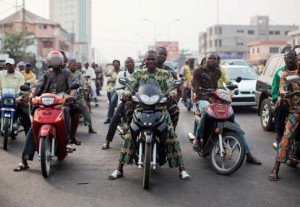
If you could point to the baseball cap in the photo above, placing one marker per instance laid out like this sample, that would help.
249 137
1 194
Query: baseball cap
10 61
21 63
28 63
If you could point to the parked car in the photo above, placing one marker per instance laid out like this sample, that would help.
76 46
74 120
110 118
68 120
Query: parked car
234 62
263 91
246 95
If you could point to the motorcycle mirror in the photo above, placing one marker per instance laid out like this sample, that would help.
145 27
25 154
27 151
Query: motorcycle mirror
87 76
205 76
293 78
123 80
74 86
236 92
180 75
24 87
238 79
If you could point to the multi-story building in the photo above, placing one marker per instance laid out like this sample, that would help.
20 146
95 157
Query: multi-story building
75 17
295 35
230 41
46 35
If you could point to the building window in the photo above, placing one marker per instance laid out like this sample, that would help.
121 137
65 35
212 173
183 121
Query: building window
240 43
216 43
277 32
257 50
48 44
286 33
42 26
274 50
220 30
220 43
210 31
210 43
250 32
271 32
240 31
253 51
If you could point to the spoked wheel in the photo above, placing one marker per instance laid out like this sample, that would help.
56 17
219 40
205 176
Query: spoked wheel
6 132
45 156
147 166
234 155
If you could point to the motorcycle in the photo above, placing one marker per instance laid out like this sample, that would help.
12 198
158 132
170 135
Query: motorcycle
9 127
49 127
188 95
224 145
148 126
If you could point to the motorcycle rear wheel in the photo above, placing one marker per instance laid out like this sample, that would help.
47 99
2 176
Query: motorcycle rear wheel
6 132
147 166
233 145
45 156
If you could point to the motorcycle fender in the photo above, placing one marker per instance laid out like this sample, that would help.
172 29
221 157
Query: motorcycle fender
47 129
231 126
134 127
149 137
7 114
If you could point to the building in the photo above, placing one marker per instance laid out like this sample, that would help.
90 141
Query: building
46 35
295 35
230 41
263 50
75 17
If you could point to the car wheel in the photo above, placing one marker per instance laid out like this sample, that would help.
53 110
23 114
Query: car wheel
266 115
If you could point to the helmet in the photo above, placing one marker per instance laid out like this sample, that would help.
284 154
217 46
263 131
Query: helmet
55 58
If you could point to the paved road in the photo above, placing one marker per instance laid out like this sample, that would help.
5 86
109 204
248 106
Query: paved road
81 179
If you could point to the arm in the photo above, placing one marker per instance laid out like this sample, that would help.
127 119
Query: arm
224 77
275 87
119 87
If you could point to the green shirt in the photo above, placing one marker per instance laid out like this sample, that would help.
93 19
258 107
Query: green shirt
276 84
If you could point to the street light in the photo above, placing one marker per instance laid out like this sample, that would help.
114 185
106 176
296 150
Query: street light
169 25
154 27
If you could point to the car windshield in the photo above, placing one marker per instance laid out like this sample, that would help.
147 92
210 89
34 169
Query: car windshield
244 72
238 62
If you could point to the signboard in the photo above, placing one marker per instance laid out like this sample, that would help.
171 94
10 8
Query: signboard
172 48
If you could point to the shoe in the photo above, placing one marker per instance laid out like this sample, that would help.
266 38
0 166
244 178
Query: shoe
92 131
107 121
21 166
75 141
253 160
275 146
184 175
115 175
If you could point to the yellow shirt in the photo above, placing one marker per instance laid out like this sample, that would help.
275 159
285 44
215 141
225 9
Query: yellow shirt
224 77
29 77
14 80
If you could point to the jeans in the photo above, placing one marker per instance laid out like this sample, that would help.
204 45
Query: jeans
113 104
115 121
23 112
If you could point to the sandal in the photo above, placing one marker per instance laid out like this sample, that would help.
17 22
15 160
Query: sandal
75 141
92 131
115 175
196 145
273 176
21 166
184 175
105 146
253 161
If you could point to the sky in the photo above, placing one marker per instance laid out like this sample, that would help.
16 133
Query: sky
119 29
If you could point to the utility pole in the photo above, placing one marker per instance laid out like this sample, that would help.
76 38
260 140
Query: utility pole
23 31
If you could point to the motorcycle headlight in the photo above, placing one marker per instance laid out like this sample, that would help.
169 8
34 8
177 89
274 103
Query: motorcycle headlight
8 101
47 100
149 100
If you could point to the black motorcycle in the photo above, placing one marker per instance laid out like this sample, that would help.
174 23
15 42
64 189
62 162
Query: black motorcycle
148 126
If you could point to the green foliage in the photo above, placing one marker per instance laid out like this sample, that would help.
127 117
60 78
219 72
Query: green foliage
13 42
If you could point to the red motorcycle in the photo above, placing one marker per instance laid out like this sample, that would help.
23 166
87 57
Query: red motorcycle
49 128
222 136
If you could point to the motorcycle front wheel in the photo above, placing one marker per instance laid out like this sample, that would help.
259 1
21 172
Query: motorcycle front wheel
45 156
5 132
147 166
234 154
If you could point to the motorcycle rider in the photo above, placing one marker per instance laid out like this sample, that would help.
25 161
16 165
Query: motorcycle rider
187 74
111 83
292 121
14 79
55 80
218 77
172 108
84 110
91 72
120 110
164 79
30 77
281 108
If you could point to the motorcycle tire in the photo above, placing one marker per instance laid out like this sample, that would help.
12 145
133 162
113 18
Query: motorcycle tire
45 156
147 166
215 148
5 132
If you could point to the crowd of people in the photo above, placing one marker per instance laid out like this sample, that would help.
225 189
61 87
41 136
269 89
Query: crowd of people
63 71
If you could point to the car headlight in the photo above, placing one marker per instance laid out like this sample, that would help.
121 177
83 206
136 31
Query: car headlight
47 100
8 101
149 100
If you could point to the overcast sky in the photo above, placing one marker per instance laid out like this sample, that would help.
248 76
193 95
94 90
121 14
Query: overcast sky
118 29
